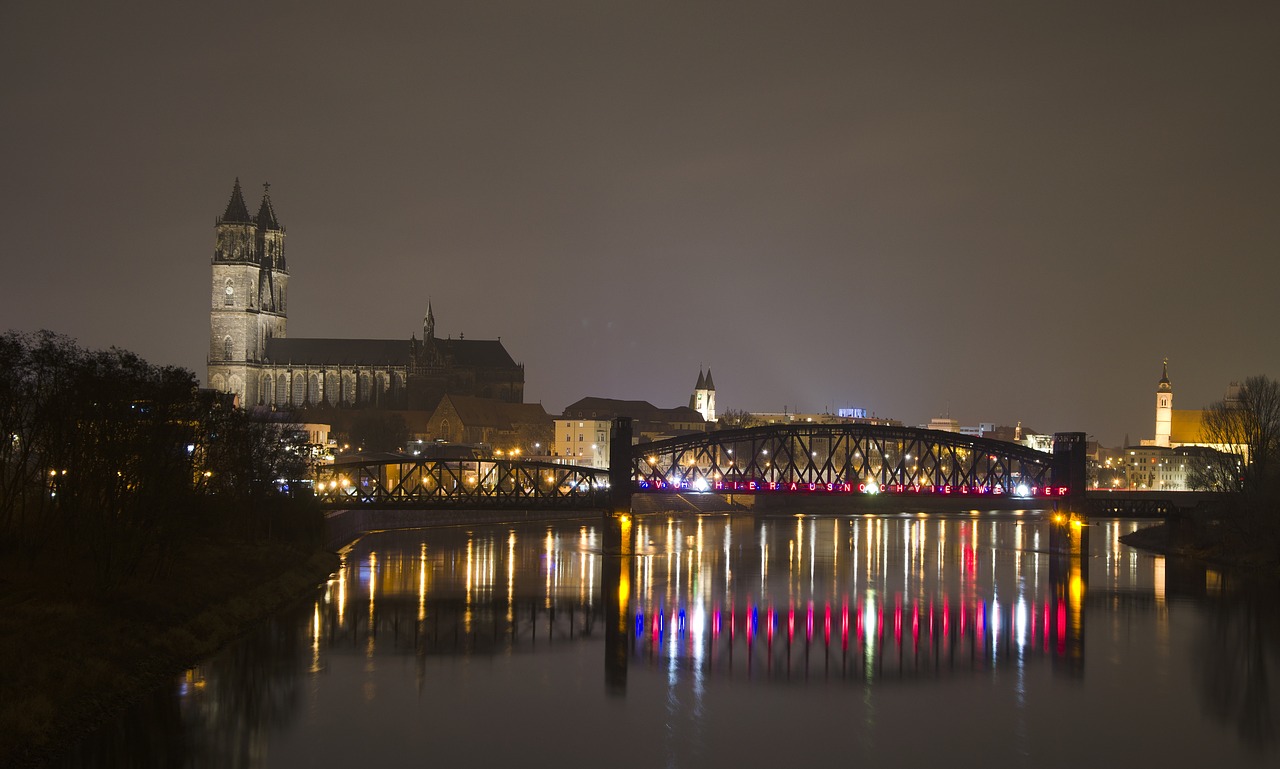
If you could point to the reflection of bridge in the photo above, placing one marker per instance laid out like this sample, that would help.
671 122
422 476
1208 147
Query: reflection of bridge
828 459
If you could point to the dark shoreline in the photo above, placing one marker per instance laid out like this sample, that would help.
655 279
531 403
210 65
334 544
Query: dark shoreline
1161 539
106 656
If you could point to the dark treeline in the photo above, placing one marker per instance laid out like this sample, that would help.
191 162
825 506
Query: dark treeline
109 463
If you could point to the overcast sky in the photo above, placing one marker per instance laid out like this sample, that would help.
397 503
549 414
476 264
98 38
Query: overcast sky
1000 212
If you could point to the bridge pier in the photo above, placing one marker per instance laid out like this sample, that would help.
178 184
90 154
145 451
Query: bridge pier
618 544
617 519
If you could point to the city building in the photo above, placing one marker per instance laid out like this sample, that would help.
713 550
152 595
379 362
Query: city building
1167 469
583 442
582 432
523 428
251 355
791 417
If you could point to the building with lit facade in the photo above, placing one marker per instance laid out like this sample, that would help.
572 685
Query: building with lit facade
582 432
251 355
1183 428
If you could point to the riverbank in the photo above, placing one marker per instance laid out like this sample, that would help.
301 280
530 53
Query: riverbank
72 660
1206 545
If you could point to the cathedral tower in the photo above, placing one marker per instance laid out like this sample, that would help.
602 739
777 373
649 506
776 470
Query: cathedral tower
1164 408
248 294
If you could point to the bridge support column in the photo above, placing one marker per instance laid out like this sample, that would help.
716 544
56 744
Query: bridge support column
617 523
1068 533
618 546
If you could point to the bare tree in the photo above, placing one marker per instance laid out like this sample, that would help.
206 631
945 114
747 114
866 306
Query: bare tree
1247 428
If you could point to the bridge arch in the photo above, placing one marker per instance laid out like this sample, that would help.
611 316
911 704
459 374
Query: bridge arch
843 456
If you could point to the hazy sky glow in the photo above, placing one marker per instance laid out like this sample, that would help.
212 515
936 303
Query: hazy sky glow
999 211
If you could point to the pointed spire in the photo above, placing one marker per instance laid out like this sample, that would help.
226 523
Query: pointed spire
1164 379
429 324
710 385
702 381
237 212
266 212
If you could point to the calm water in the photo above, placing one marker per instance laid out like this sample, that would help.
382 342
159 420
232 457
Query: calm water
895 641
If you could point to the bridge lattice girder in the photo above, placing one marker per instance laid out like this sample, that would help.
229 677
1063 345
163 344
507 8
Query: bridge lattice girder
840 453
473 483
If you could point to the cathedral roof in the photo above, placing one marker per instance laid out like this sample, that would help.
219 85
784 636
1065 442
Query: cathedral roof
702 381
710 385
481 353
347 352
237 212
476 352
267 212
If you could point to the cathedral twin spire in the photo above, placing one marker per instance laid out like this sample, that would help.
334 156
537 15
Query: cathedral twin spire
238 213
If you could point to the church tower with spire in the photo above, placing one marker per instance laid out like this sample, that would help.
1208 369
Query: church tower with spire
703 399
1164 408
248 298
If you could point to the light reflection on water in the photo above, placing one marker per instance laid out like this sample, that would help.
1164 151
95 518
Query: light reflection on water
889 640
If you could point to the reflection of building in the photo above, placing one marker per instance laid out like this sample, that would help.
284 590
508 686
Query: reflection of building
251 356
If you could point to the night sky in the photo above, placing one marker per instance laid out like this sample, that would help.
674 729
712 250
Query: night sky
1000 212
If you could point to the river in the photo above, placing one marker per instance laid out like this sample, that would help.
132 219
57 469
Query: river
903 640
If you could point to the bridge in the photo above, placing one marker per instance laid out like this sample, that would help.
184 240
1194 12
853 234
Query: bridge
397 480
840 459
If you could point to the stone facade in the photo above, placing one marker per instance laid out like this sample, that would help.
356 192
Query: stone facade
251 356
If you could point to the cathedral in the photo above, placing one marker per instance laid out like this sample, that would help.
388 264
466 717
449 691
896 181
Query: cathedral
252 357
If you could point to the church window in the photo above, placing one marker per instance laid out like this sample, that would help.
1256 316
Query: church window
226 348
229 294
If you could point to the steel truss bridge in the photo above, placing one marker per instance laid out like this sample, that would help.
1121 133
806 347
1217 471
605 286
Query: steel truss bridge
847 458
471 483
840 458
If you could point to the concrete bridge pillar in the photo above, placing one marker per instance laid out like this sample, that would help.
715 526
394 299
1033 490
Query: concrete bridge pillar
1068 533
617 519
618 546
1070 454
620 466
